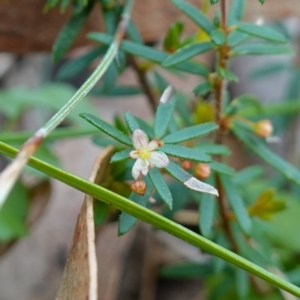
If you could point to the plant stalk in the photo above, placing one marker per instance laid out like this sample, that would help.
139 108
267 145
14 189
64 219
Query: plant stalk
154 219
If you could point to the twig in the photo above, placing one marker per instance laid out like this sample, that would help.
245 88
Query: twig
9 175
144 83
223 13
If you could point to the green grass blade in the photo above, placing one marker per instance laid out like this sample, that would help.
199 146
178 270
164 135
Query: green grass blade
155 220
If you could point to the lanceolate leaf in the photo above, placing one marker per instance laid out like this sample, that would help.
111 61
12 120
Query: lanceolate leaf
121 155
236 203
117 91
145 127
212 149
186 153
269 70
235 38
202 88
150 54
260 49
218 37
207 205
190 133
107 128
161 186
221 168
69 33
163 114
248 174
260 148
236 11
76 65
188 180
187 52
131 122
194 14
261 31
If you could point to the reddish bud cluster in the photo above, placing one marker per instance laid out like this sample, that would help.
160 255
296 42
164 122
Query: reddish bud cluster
139 187
263 128
202 171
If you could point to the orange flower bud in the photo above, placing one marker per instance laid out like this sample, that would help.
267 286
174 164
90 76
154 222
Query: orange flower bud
263 128
202 171
139 187
186 165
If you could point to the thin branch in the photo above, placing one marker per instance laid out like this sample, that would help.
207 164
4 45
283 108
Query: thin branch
223 14
144 83
9 175
224 215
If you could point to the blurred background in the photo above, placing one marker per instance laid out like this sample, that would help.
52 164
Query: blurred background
34 244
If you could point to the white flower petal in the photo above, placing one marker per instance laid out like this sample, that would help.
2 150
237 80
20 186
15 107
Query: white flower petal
140 166
159 159
140 139
152 145
136 169
145 167
134 154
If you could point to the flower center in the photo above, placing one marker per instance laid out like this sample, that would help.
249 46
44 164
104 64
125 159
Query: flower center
144 153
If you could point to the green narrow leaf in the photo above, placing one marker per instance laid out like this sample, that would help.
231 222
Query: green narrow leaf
186 270
77 65
133 33
104 141
107 128
188 180
259 147
185 153
161 186
145 127
235 38
212 149
150 54
241 283
187 52
207 205
260 49
236 11
190 133
195 15
182 108
163 113
69 32
218 37
121 125
236 203
261 31
248 174
226 74
269 70
202 88
126 221
221 168
110 77
262 1
172 38
117 91
131 122
121 155
110 20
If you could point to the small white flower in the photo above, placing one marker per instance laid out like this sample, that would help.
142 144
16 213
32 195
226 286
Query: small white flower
145 155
